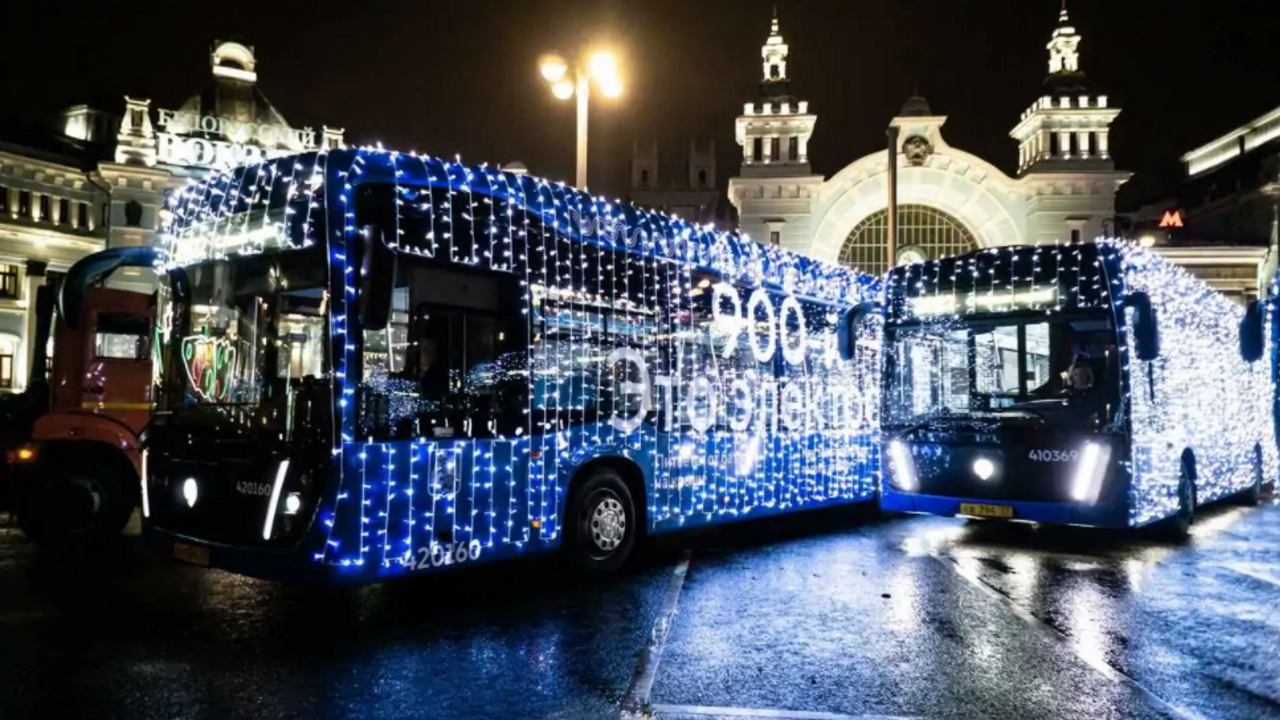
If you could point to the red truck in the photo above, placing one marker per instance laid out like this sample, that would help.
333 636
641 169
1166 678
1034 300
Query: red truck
72 439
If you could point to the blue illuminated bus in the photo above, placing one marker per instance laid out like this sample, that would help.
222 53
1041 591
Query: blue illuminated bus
1082 384
380 364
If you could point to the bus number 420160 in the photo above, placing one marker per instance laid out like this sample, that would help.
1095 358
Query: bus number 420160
440 554
1054 455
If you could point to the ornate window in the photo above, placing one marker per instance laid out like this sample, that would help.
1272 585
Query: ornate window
9 345
9 282
926 230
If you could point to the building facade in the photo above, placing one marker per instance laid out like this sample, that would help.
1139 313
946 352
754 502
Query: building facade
53 210
691 194
950 201
100 179
1222 218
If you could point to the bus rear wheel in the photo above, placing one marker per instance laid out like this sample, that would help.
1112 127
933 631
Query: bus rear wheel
601 527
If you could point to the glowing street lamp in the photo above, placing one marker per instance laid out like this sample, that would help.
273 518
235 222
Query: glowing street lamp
602 68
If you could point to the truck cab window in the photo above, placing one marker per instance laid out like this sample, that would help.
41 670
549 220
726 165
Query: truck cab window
121 336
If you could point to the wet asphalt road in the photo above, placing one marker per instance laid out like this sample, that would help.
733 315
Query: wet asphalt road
827 617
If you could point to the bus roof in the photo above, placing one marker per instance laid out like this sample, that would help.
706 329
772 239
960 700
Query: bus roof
247 209
1064 277
1004 279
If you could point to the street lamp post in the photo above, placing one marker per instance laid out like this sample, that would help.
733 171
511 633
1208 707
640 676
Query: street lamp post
601 68
891 219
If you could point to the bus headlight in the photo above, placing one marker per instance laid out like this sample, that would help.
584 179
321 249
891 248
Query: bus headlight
984 468
292 503
146 494
902 469
190 491
1091 468
274 503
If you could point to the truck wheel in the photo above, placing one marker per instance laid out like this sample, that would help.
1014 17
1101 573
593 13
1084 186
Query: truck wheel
600 528
76 506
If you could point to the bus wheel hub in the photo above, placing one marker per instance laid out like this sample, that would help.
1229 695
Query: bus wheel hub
608 524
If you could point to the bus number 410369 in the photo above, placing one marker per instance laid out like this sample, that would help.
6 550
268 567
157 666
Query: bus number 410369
441 554
1039 455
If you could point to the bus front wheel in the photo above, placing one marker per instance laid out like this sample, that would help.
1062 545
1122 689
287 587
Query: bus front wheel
1178 527
602 523
1253 494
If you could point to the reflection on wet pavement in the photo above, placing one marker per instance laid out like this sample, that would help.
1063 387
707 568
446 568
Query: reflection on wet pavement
828 616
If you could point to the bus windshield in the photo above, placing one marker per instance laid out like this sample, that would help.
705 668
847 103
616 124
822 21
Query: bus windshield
250 329
1062 371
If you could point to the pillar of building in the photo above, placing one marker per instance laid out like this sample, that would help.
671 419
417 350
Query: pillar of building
35 279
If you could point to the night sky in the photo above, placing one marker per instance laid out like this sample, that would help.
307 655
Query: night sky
461 77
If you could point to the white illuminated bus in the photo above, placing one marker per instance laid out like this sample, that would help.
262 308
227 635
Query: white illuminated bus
1084 384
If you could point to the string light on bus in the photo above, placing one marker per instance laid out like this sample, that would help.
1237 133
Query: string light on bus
398 497
1169 394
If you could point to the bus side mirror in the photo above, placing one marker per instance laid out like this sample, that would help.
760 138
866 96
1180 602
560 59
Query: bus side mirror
1251 332
1146 327
377 279
847 332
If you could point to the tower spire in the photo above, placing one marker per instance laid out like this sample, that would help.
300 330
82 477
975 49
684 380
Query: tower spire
1066 129
774 130
1064 51
774 52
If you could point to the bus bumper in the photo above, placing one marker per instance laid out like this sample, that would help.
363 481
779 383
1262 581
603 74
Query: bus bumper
281 565
1088 515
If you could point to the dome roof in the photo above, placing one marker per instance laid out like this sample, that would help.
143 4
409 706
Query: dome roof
233 95
915 106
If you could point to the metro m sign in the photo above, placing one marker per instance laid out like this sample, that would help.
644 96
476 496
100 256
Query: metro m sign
1171 219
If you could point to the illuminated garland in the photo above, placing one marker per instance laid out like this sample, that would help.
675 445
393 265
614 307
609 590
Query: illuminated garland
697 319
1206 398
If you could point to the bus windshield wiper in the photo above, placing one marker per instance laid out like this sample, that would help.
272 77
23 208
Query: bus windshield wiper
910 428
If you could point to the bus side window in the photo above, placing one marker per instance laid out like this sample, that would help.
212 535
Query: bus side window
467 353
383 384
